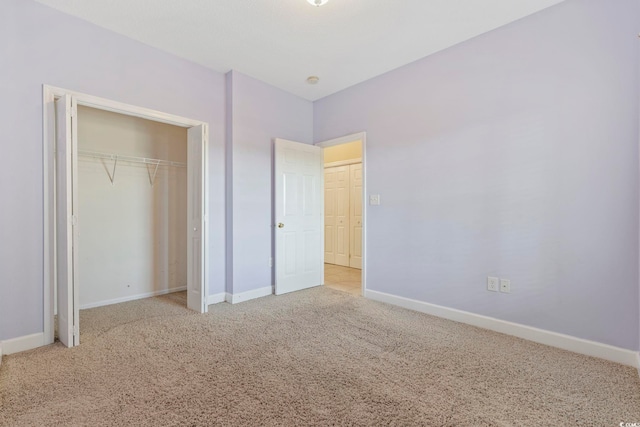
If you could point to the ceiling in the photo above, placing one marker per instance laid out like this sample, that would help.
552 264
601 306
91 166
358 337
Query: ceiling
282 42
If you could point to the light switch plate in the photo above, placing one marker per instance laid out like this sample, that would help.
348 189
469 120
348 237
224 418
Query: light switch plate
374 199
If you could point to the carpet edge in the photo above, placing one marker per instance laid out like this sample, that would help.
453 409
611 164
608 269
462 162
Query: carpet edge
541 336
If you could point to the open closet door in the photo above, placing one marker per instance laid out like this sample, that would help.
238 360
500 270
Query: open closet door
66 217
196 293
299 216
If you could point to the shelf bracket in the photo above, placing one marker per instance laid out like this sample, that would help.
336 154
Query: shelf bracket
112 175
152 178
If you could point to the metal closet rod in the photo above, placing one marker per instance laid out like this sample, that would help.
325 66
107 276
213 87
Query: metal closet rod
133 159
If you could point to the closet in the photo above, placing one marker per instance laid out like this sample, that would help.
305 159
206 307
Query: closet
132 203
343 215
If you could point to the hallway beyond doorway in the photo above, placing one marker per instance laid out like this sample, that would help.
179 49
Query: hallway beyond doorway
343 279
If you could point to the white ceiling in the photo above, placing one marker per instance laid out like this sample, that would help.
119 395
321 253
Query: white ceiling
282 42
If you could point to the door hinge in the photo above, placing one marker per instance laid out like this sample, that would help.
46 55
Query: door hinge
76 330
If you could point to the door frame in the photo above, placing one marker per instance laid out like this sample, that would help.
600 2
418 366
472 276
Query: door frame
49 95
362 136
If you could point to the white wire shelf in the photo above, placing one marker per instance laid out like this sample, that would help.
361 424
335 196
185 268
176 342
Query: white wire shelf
154 163
131 159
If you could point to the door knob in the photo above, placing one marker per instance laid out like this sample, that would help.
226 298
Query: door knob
280 225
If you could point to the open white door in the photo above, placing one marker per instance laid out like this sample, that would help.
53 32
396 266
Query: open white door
299 216
66 217
196 293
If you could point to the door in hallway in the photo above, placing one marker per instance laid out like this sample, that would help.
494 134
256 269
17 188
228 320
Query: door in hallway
355 220
337 215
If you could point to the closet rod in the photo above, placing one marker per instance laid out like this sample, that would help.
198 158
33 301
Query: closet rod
132 159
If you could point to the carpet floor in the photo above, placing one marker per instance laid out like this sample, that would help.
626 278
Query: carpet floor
315 357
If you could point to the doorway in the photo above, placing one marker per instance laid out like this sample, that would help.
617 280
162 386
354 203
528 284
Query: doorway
63 218
299 216
344 213
343 217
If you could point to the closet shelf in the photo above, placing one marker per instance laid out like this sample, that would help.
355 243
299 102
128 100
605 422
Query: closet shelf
154 163
131 159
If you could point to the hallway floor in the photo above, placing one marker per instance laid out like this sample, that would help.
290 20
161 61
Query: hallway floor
343 278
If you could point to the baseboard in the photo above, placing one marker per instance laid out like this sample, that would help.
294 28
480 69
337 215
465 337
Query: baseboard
216 298
132 297
638 362
553 339
27 342
0 353
248 295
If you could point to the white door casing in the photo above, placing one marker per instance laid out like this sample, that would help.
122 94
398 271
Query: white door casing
196 290
66 218
337 215
299 216
355 172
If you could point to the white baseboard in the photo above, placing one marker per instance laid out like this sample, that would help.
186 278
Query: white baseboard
248 295
553 339
216 298
132 297
27 342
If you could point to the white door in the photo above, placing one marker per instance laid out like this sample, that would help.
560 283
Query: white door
299 216
196 190
337 215
66 217
356 216
330 216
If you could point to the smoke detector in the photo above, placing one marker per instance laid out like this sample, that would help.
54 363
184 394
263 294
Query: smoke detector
317 3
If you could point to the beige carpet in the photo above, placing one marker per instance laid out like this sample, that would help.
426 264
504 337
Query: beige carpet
316 357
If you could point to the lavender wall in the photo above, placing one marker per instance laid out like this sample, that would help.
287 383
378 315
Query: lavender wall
258 114
514 154
40 45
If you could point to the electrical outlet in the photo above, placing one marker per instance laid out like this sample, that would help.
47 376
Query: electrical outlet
505 286
492 284
374 199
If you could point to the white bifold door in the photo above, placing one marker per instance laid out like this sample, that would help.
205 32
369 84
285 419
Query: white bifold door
196 190
336 215
355 220
68 303
299 216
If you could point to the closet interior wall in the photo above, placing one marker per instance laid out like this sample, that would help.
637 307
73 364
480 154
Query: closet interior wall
132 239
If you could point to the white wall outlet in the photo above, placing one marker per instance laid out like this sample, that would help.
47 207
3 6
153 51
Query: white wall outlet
374 199
505 285
492 284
